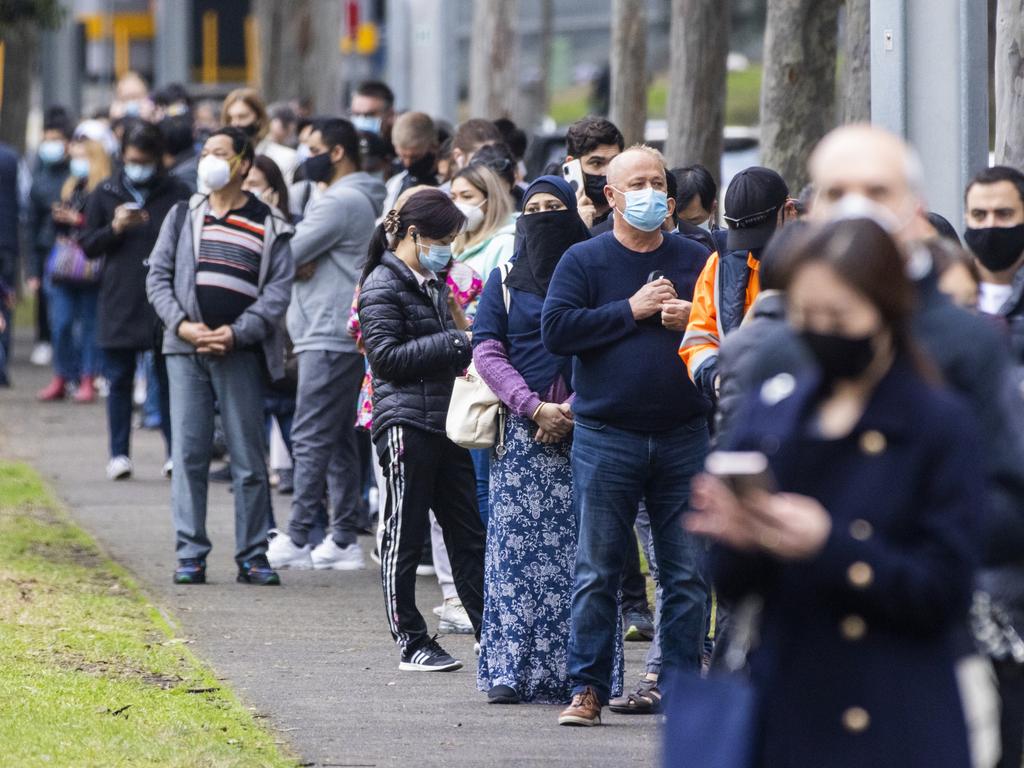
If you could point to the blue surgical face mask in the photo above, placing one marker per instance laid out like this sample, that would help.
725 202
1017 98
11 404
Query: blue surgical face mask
367 123
51 152
436 258
80 167
138 173
646 208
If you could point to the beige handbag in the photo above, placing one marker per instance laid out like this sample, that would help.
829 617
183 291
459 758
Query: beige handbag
476 417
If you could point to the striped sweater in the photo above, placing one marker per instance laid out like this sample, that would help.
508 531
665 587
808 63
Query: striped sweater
228 267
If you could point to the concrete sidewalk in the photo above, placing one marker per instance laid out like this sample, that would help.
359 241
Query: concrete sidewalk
314 656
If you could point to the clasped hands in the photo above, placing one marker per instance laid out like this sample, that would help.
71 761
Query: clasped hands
660 296
207 342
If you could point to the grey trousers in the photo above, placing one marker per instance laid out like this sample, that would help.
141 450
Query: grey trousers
325 455
235 384
643 530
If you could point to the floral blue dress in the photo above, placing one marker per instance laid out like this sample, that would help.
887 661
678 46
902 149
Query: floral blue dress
529 568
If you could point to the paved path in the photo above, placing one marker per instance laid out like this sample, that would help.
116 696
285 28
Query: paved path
314 656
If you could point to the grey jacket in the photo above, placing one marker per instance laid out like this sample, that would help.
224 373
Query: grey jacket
171 284
336 235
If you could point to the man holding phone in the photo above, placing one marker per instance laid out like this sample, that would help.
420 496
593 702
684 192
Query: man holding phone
122 221
640 423
591 144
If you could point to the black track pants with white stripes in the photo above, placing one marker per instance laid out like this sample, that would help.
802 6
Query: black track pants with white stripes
427 471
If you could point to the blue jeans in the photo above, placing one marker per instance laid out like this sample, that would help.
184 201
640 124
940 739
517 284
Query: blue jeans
613 469
5 342
482 468
235 381
73 329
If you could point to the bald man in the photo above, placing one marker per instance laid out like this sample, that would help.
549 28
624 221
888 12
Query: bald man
618 303
866 169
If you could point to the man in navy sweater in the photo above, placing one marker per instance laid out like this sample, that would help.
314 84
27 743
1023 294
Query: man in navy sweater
618 303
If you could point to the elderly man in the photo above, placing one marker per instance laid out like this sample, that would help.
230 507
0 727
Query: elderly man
619 304
862 170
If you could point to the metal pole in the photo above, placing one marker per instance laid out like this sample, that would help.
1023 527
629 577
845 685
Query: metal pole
172 61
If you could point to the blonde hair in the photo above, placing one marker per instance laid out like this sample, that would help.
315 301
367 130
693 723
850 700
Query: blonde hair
252 99
99 169
499 205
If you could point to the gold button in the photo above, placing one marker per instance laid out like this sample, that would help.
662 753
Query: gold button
872 442
853 628
856 719
860 575
861 530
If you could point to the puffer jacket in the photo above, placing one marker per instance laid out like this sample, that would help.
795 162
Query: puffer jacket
414 349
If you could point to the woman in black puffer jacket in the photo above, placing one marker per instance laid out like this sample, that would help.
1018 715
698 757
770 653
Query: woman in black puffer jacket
415 353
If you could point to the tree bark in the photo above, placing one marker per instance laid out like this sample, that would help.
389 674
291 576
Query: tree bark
299 53
856 72
699 48
21 44
629 69
493 65
1010 83
798 93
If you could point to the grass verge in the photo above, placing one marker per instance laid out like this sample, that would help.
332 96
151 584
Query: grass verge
90 673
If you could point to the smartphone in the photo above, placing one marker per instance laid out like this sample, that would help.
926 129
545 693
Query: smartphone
134 207
743 472
572 171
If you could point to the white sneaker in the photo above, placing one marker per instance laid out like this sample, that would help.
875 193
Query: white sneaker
42 354
425 569
119 468
330 555
282 553
139 392
168 469
454 619
438 609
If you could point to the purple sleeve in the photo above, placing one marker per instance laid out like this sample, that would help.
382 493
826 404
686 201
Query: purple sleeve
493 365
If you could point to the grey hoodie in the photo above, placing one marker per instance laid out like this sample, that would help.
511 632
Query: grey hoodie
336 235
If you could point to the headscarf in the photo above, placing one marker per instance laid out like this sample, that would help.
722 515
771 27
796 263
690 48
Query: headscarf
542 238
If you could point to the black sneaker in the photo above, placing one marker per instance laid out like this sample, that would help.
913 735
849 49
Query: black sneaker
429 657
257 571
222 475
502 694
285 482
190 571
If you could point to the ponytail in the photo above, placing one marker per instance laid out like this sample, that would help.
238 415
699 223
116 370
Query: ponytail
428 209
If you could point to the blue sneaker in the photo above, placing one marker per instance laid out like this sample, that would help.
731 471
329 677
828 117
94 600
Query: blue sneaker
257 570
190 571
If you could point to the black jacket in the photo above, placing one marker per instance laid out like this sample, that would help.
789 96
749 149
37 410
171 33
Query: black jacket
126 320
414 350
46 185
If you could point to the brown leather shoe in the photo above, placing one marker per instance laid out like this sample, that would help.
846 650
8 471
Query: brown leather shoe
585 709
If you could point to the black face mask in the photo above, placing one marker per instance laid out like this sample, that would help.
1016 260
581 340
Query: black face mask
839 357
318 167
997 248
250 130
594 187
423 169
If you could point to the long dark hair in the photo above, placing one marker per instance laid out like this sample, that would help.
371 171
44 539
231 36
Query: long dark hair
431 211
868 259
275 180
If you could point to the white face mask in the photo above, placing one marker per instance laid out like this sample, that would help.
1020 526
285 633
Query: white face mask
214 173
474 215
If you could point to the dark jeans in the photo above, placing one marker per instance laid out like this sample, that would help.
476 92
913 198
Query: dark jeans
120 367
634 585
1011 693
5 343
426 471
613 469
281 407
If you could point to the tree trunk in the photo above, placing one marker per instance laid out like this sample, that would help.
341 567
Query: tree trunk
532 104
299 53
856 72
493 69
629 69
1010 83
21 43
798 93
699 48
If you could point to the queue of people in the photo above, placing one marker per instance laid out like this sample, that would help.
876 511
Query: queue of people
333 277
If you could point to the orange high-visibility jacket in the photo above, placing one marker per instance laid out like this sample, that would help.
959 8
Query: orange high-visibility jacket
705 329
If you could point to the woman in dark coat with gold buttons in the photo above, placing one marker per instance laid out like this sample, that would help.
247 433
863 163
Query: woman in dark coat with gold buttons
864 559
